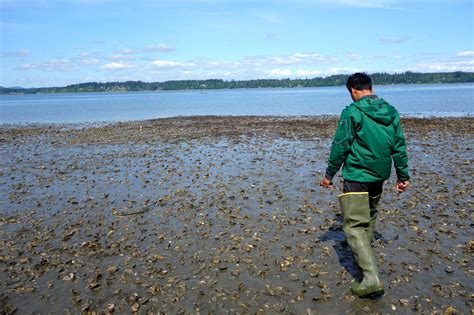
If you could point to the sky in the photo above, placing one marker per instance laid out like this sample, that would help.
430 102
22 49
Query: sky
61 42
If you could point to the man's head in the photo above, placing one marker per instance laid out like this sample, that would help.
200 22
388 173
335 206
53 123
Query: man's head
359 84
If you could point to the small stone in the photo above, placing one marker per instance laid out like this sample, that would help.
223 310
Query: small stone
404 302
293 277
24 260
69 277
449 311
110 307
449 269
135 307
112 269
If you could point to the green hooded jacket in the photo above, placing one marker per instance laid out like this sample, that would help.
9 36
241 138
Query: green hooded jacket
367 138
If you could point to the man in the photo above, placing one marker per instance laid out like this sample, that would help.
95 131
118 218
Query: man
367 138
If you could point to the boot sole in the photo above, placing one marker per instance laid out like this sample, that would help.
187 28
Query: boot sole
373 295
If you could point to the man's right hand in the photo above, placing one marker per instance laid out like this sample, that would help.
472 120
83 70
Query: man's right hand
402 186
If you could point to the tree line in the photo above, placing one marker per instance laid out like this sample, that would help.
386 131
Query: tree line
334 80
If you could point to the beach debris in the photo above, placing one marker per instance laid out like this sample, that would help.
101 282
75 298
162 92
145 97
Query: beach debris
112 269
110 307
450 311
95 282
171 220
70 277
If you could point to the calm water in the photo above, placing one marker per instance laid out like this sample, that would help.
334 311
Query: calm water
410 100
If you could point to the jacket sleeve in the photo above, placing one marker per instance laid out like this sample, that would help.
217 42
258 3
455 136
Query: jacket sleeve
399 153
341 144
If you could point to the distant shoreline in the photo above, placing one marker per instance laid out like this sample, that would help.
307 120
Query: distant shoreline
219 84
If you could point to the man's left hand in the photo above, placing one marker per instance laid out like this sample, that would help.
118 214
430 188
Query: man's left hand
326 183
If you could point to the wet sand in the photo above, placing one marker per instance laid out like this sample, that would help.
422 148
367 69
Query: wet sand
224 215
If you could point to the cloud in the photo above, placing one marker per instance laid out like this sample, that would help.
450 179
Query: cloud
461 61
121 57
17 53
61 65
215 64
393 40
467 53
308 58
308 73
445 66
279 73
159 48
89 61
148 49
295 65
117 66
164 64
353 56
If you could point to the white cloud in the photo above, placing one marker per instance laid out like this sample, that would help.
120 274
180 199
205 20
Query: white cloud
117 66
89 61
165 64
307 58
17 53
445 66
217 64
121 57
279 73
307 73
467 53
353 56
62 65
158 48
461 61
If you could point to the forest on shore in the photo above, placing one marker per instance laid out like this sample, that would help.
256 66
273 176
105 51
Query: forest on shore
333 80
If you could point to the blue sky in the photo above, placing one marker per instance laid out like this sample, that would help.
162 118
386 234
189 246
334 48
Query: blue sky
60 42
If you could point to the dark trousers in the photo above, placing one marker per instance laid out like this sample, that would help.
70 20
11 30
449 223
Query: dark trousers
374 189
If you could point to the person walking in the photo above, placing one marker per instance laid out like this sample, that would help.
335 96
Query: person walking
368 137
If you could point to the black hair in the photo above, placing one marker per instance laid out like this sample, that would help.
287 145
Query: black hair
359 81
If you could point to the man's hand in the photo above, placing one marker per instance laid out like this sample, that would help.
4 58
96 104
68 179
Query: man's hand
326 183
402 186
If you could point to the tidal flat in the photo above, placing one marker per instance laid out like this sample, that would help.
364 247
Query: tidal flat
224 215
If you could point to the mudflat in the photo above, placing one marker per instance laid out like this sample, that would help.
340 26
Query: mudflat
224 215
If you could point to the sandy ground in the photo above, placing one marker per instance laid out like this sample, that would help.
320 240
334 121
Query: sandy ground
224 215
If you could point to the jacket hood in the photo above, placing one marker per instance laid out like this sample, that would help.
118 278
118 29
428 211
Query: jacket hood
377 109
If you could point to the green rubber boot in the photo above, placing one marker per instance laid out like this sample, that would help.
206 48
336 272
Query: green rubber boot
356 211
373 203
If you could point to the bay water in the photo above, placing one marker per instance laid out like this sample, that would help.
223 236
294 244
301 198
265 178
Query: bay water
419 100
